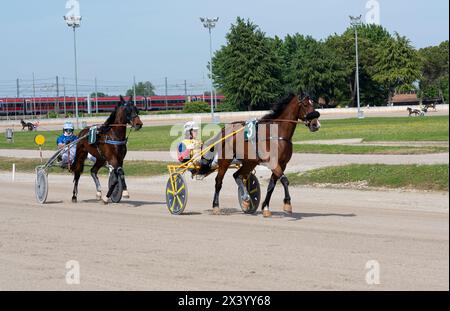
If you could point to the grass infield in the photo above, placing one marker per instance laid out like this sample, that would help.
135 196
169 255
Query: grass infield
419 177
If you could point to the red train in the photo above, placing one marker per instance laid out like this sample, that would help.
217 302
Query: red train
44 105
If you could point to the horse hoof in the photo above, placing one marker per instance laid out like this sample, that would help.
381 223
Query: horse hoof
267 213
106 200
98 195
216 211
74 199
125 194
287 208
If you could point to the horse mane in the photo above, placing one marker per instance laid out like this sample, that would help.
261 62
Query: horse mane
279 107
111 119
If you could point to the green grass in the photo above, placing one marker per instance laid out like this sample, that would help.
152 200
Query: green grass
421 177
380 129
370 129
344 149
132 168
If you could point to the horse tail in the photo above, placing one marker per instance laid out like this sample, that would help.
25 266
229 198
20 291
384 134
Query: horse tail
80 155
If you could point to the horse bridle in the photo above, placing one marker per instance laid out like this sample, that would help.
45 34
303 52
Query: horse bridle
130 118
310 116
133 115
306 120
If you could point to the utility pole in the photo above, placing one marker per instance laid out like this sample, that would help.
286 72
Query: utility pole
64 88
210 23
96 96
73 20
167 106
34 96
57 95
134 90
185 90
356 22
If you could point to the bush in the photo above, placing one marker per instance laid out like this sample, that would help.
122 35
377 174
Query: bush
196 107
52 115
227 107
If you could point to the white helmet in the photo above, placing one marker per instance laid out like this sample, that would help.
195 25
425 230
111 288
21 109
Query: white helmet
191 125
68 126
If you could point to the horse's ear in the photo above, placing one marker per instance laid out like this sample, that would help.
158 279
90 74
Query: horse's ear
304 96
121 101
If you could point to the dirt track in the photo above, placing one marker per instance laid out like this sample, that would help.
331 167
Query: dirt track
138 245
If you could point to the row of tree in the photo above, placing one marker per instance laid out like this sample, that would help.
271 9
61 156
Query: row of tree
252 70
141 89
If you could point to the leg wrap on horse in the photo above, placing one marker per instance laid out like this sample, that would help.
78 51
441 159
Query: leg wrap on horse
287 197
284 180
115 175
270 188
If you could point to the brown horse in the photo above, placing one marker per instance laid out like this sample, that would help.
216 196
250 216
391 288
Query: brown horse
272 149
109 149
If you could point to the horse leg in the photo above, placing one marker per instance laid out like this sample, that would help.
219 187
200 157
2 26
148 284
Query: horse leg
77 170
239 177
125 193
117 173
94 170
287 197
270 189
223 167
277 173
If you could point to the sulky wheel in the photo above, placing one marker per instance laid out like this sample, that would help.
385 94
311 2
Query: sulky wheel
116 195
176 194
41 187
254 190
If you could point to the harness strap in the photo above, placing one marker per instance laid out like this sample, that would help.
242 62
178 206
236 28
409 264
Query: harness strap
116 142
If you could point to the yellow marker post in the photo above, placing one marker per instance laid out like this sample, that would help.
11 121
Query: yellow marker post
40 141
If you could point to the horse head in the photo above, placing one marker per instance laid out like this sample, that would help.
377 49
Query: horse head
308 114
129 113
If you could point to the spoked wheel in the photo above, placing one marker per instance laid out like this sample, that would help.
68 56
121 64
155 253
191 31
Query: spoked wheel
176 194
254 190
41 187
116 195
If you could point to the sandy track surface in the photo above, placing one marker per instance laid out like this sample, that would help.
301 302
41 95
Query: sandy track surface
137 245
299 162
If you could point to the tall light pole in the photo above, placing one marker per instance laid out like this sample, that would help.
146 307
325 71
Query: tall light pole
210 23
73 20
355 22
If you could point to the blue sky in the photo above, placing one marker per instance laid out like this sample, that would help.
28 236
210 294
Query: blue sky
154 39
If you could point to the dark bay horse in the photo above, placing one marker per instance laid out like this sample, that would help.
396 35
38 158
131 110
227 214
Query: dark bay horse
274 148
109 149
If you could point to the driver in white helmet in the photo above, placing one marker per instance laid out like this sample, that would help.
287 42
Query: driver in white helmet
63 140
191 147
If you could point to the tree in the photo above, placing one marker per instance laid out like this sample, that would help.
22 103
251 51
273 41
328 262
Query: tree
312 68
370 38
397 65
248 69
434 64
99 94
142 89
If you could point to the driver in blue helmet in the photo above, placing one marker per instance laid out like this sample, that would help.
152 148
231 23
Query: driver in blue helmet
63 140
